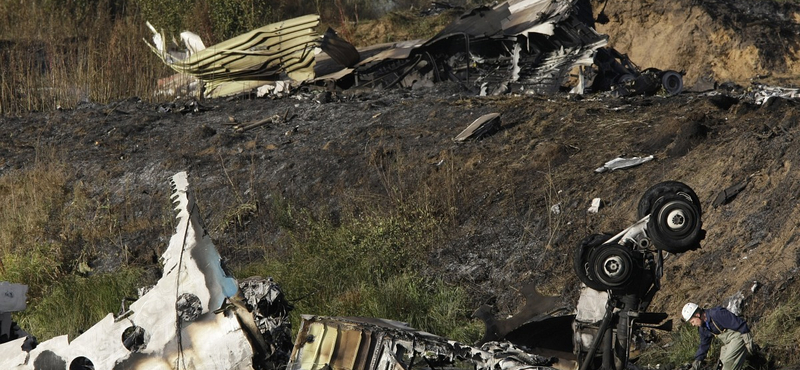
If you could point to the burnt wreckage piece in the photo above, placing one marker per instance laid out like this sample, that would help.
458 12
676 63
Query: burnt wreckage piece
625 271
525 45
616 72
518 46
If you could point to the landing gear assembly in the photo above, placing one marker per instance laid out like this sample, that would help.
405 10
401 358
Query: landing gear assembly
626 270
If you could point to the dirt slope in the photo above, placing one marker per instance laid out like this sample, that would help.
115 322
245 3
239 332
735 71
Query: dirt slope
711 39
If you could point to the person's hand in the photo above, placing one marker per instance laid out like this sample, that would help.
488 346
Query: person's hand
748 342
696 364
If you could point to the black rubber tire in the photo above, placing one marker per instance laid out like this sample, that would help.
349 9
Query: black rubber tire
661 189
675 224
628 77
672 82
614 266
581 263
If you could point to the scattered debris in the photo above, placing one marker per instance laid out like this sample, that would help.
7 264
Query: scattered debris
274 119
620 163
184 107
276 89
542 326
438 7
734 303
197 316
615 72
727 195
519 46
762 94
597 203
13 298
485 125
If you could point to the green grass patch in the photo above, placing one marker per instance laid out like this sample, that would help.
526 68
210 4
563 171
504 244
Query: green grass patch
76 303
778 332
51 228
368 266
28 199
678 348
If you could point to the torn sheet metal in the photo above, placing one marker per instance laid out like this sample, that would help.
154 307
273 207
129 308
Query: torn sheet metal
515 46
354 343
339 49
183 322
620 163
484 125
263 54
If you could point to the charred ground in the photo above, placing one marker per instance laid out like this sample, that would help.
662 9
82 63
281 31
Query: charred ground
333 153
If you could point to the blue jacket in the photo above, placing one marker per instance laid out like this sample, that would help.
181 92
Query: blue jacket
717 320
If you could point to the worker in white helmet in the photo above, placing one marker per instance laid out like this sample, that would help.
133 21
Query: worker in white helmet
731 330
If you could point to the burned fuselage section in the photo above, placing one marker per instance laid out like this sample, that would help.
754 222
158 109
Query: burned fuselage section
516 46
519 46
357 343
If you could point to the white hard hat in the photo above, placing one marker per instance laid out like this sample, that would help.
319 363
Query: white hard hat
688 310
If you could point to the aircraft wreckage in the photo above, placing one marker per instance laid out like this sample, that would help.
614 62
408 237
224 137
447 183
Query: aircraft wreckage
519 46
199 317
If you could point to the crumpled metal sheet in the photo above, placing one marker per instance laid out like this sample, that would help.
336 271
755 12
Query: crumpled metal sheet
620 163
156 332
519 46
482 126
259 55
516 46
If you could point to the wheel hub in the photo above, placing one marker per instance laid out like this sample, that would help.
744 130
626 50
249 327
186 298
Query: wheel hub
676 219
613 266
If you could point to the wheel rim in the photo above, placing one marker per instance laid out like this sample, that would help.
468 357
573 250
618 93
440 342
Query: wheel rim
613 266
675 224
676 218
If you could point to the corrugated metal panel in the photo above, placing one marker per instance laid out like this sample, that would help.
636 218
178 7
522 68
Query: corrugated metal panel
259 55
312 345
345 360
